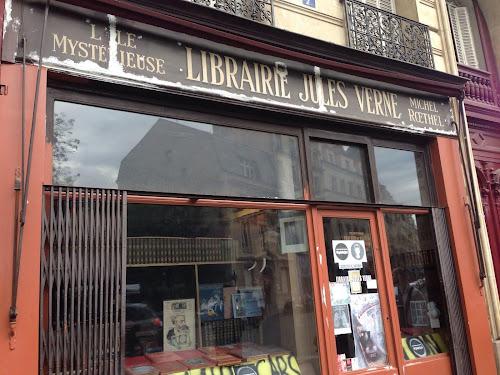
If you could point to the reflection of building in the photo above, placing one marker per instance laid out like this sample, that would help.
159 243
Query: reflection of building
175 157
339 172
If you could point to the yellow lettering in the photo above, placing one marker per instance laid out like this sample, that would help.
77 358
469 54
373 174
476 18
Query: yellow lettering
276 87
257 77
342 94
361 98
59 43
266 75
72 46
230 73
92 34
246 77
102 54
331 91
394 102
189 58
204 69
150 64
141 62
119 38
130 40
304 96
130 59
369 92
95 48
83 52
387 103
159 66
377 95
216 69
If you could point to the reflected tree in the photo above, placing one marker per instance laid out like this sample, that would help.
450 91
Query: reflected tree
64 144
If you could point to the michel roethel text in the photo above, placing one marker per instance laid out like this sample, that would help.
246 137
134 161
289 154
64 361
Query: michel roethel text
101 45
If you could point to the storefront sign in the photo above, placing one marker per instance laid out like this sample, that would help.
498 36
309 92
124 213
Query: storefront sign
99 45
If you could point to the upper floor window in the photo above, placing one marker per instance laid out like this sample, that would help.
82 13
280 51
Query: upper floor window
387 5
466 34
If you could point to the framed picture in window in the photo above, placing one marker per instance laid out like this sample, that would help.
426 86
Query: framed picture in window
293 235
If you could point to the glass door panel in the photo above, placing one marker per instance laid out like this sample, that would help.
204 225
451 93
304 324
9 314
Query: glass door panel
356 311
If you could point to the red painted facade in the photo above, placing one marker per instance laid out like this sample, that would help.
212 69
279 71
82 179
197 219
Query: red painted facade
482 105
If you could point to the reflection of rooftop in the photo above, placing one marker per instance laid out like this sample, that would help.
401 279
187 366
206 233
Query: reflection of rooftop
178 158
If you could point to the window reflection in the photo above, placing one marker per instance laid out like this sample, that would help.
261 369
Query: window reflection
417 287
339 172
99 147
234 278
402 177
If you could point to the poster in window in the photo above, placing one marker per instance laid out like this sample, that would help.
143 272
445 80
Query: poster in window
211 302
341 319
339 293
179 330
368 330
245 305
349 254
293 235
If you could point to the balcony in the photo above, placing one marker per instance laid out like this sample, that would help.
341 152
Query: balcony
386 34
480 88
256 10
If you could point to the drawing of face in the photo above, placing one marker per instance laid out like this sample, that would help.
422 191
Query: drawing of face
180 321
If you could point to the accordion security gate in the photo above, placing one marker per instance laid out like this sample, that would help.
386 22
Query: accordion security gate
82 291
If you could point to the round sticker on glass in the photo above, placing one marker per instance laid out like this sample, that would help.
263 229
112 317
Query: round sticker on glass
341 251
357 251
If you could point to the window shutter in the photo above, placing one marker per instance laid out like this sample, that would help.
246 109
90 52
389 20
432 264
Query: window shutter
462 34
459 347
387 5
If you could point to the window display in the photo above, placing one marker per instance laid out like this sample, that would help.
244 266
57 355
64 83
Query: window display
357 318
417 286
210 286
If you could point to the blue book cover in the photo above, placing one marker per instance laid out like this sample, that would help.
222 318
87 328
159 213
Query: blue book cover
246 305
211 302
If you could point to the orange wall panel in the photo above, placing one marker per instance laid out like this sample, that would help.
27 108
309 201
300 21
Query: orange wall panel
24 359
452 195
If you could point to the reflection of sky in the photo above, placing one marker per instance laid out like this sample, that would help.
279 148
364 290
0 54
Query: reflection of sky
106 137
397 171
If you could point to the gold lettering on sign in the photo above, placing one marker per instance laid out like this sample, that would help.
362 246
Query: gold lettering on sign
385 103
92 34
246 77
189 63
417 114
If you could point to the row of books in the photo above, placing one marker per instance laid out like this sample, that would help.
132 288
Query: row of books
151 250
414 259
227 331
164 363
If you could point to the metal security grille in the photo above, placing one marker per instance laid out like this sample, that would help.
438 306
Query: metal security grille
386 34
82 294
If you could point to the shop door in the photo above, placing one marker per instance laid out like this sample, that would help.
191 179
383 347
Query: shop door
364 322
361 336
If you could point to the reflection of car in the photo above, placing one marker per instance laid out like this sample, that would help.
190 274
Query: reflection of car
144 329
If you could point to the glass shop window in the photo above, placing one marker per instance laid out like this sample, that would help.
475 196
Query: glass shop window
419 294
99 147
209 286
356 312
402 177
345 163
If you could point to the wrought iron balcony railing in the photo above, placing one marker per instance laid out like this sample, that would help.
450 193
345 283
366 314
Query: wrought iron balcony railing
256 10
386 34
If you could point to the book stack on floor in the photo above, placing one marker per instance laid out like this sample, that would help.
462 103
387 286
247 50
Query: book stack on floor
166 363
